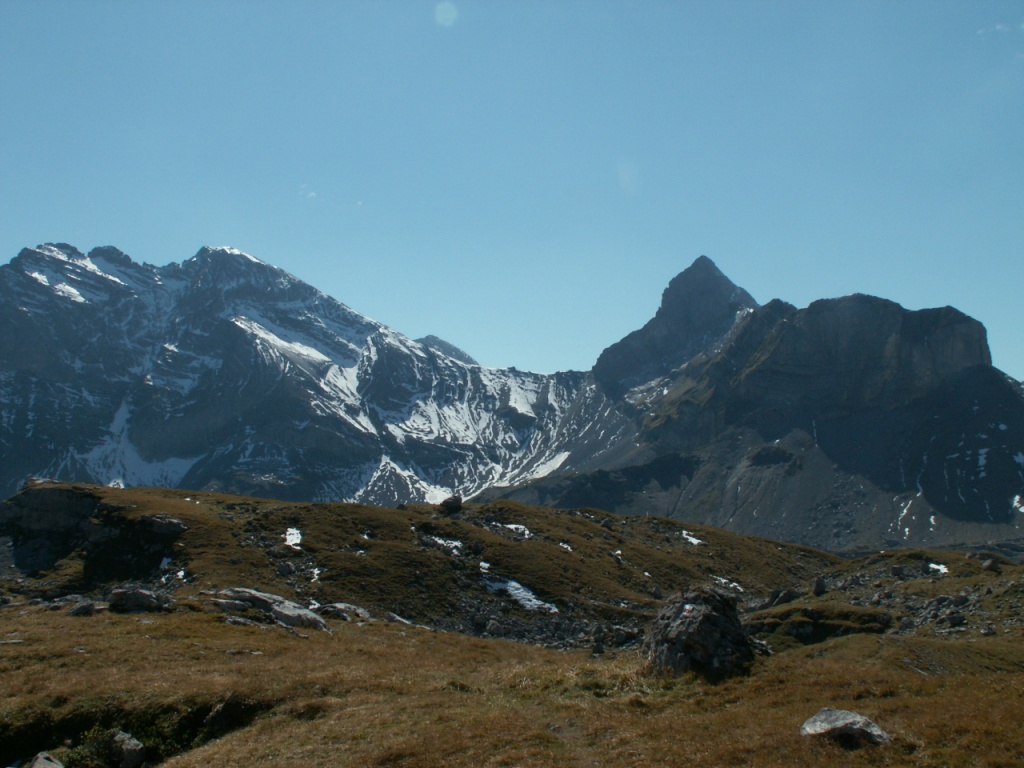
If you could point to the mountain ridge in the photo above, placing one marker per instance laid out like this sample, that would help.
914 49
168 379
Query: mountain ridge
182 361
853 421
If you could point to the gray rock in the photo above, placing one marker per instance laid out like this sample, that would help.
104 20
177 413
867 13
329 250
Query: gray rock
345 612
495 628
44 760
164 525
281 610
820 587
844 726
136 599
699 630
130 751
84 608
229 605
783 596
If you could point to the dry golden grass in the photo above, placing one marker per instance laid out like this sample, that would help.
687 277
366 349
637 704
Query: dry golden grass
383 694
198 691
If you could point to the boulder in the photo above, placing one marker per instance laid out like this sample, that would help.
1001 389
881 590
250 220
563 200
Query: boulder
344 611
452 504
44 760
281 610
84 608
846 727
820 586
699 630
137 599
129 751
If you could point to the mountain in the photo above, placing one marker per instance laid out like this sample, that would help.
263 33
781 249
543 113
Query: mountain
223 372
850 423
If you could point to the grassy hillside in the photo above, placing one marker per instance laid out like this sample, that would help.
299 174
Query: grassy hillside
198 690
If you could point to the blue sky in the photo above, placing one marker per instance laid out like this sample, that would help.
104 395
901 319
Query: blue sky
523 178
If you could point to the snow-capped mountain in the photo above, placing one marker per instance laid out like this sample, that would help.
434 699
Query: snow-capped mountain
225 372
849 423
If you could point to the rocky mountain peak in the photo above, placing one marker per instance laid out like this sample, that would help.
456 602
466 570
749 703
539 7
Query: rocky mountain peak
447 348
111 255
698 308
700 295
61 248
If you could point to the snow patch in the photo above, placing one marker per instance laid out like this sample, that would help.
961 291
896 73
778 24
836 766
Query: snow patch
522 530
65 290
519 593
288 349
903 514
567 548
546 468
727 583
116 458
691 538
292 538
938 568
453 546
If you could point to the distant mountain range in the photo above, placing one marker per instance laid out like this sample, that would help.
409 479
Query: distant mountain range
850 423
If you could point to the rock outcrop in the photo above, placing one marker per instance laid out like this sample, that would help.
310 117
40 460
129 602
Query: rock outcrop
699 630
848 728
281 610
41 525
138 600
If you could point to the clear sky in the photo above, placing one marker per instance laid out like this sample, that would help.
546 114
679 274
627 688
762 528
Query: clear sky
523 178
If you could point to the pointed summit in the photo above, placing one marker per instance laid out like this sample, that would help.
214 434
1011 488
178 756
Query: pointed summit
697 308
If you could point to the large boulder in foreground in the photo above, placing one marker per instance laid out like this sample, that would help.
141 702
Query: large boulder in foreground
699 630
